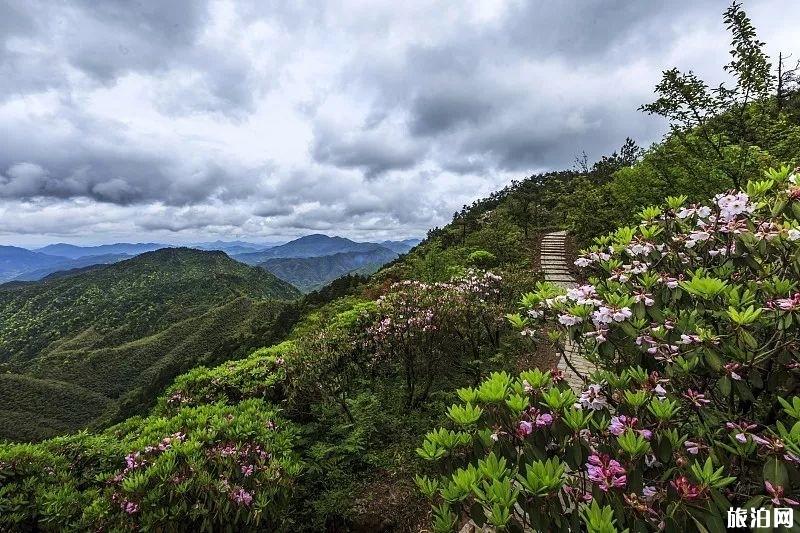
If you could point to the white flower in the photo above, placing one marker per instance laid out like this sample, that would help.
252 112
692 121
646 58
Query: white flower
622 314
602 316
592 398
704 211
794 234
731 205
582 262
569 320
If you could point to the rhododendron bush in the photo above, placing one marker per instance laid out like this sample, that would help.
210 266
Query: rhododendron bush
692 320
427 331
206 468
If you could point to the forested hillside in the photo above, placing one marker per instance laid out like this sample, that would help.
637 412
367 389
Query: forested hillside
402 387
100 343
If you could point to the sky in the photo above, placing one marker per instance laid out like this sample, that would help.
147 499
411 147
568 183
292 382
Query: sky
191 120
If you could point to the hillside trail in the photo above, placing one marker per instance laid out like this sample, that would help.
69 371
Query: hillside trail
553 262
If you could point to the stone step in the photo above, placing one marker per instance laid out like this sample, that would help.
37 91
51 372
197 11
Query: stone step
559 279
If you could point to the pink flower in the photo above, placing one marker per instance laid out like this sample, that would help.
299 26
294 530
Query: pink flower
777 495
649 493
533 419
694 447
696 398
607 473
787 304
524 428
543 420
242 497
734 371
686 489
742 430
569 320
619 424
129 506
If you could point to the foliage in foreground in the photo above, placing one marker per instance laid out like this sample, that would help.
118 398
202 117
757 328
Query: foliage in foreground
692 318
203 469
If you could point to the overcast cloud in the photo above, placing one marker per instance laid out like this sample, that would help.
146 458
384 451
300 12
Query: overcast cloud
185 120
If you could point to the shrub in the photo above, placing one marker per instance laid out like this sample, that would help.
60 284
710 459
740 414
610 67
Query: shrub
427 331
692 319
260 375
205 468
482 259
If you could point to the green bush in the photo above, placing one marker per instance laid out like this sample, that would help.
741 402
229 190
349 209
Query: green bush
205 468
692 318
482 259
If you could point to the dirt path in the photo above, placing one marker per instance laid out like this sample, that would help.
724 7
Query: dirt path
553 261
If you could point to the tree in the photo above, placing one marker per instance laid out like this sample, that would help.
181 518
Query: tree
709 121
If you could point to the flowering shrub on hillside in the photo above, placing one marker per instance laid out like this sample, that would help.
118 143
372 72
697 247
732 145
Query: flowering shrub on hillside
206 468
692 318
424 331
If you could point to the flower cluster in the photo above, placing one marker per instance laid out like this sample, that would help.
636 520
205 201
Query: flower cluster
692 318
605 472
435 328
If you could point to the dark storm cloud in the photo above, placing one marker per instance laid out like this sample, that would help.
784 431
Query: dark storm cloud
110 39
471 92
368 150
435 113
121 179
194 115
117 36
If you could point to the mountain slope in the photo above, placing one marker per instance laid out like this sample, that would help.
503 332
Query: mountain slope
70 265
15 261
74 252
113 336
308 246
401 247
310 273
233 247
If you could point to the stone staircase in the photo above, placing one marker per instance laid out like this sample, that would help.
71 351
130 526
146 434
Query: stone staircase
553 262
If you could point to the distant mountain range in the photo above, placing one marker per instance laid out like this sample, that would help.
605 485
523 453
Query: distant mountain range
313 261
20 264
318 245
310 273
72 251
